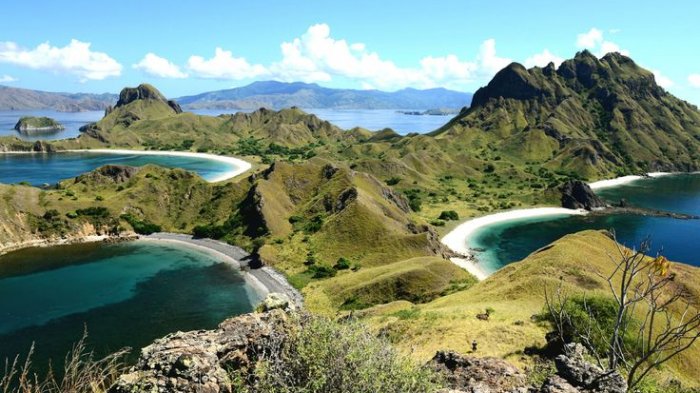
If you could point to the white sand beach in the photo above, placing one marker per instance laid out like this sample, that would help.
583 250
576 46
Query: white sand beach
240 166
624 180
457 239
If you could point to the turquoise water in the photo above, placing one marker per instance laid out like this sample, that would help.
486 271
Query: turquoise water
38 169
124 294
678 239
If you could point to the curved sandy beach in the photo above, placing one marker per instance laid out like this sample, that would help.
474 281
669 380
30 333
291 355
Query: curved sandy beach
457 239
618 181
240 166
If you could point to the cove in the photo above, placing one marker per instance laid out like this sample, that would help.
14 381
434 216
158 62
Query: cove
124 294
48 168
507 242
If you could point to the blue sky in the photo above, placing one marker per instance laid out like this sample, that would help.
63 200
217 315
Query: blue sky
93 46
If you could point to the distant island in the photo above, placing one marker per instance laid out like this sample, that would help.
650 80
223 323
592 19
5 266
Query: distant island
431 112
37 125
278 95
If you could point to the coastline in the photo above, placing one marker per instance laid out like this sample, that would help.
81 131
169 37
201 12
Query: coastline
263 280
618 181
457 239
16 246
240 165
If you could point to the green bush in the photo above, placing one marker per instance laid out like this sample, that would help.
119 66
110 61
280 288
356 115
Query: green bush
321 271
142 227
326 356
393 181
449 215
342 264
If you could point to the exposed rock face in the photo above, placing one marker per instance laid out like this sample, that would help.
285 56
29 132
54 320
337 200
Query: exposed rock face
486 375
199 361
112 173
578 372
576 194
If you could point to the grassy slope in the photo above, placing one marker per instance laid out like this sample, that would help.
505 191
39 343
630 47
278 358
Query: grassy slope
516 293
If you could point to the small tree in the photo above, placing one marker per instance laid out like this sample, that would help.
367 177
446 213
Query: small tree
655 318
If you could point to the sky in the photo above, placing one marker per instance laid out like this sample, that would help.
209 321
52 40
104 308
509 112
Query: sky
190 47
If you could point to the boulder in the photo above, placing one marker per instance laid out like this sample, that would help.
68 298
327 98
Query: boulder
573 367
471 374
277 301
576 194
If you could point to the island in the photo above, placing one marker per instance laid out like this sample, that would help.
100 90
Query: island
33 125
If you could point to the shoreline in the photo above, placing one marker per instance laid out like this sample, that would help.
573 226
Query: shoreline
263 280
456 239
618 181
41 243
240 165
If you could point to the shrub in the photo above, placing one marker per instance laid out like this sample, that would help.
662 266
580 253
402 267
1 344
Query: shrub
321 271
437 223
326 356
342 264
449 215
393 181
142 227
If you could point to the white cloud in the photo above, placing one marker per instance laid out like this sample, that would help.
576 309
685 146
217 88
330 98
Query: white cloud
160 67
543 59
75 58
590 39
594 40
694 80
224 66
662 80
7 79
316 56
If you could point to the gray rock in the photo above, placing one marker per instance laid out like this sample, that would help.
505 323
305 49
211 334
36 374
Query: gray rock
573 367
484 375
576 194
277 301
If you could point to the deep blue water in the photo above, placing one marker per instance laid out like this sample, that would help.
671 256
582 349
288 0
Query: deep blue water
371 119
124 294
678 239
72 121
38 169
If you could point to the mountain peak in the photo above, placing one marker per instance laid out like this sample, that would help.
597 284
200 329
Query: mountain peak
144 91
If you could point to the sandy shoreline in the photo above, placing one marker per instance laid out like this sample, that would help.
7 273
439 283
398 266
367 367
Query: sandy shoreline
263 280
457 239
618 181
240 166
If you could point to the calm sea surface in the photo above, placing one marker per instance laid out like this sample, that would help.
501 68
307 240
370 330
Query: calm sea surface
679 239
124 295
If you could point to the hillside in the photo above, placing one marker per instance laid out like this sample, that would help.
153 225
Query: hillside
12 98
277 95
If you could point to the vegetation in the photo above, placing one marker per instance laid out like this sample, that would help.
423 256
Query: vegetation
648 321
326 356
82 373
141 226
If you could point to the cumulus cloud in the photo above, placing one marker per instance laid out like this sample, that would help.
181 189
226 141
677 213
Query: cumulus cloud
694 80
594 40
316 56
7 79
160 67
75 58
662 80
224 66
542 59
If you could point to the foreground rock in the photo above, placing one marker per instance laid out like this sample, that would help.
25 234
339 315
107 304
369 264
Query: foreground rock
33 125
576 194
485 375
201 361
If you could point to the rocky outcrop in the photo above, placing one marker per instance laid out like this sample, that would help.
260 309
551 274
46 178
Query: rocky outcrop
573 367
576 194
200 361
109 173
472 374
